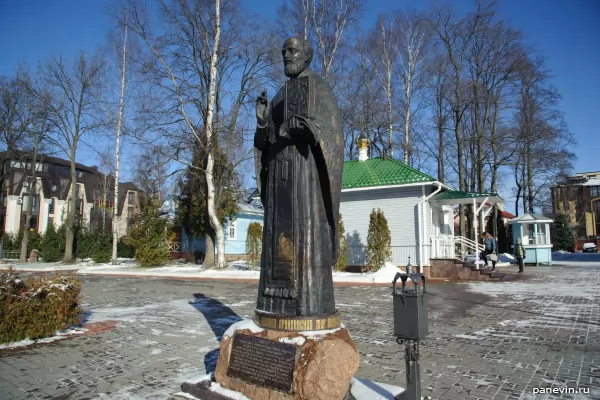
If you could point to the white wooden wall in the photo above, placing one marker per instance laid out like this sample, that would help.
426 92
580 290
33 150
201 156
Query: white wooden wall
400 208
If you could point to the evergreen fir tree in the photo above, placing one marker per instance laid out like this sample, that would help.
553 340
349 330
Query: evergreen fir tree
379 240
124 249
50 247
85 241
191 201
344 250
562 237
148 235
254 244
101 251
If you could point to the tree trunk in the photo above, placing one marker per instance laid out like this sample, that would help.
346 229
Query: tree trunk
459 147
407 131
115 221
29 211
494 146
72 210
440 161
529 180
104 198
209 251
390 114
210 200
523 187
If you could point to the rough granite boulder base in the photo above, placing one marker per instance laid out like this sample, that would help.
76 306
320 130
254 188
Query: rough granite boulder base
323 371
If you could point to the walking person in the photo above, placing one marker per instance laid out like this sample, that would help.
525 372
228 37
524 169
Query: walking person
489 249
520 254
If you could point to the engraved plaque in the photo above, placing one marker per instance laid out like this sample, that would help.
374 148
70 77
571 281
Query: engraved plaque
298 97
262 362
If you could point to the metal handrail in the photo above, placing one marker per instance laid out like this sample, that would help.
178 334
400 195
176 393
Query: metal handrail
467 243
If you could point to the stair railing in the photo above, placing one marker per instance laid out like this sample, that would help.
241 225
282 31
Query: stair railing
465 245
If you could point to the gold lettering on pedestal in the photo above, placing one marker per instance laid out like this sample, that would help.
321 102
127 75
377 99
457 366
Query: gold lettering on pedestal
299 325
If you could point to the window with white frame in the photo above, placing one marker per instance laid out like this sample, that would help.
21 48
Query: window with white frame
231 230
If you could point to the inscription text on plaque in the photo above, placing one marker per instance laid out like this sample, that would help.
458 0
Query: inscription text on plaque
262 362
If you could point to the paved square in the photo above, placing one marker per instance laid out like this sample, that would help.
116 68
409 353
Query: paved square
495 340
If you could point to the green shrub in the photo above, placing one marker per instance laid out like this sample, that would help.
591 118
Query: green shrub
102 249
9 242
52 246
562 236
84 243
343 251
124 249
148 234
38 306
379 240
254 244
35 239
12 242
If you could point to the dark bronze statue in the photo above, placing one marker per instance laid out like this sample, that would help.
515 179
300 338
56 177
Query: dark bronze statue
299 160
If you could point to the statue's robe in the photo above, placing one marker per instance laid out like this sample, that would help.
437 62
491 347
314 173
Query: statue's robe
299 179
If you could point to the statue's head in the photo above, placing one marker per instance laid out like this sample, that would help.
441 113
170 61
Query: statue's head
297 55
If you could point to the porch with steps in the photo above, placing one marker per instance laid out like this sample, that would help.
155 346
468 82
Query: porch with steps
454 269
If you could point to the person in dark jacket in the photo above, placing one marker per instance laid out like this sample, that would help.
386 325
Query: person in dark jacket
489 244
520 254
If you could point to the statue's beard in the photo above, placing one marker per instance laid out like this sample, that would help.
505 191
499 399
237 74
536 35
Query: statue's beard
293 69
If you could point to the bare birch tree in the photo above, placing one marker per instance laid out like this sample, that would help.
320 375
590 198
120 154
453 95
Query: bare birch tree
415 49
326 24
212 211
177 66
115 219
73 114
34 118
385 49
543 137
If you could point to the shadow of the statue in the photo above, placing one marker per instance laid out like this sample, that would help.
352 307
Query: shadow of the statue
219 318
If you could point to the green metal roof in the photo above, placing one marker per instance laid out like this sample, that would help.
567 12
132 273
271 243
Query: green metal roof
380 172
456 195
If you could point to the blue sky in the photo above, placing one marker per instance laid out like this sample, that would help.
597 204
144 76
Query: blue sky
566 32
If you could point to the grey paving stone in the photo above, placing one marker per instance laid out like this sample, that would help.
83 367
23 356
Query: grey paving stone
495 345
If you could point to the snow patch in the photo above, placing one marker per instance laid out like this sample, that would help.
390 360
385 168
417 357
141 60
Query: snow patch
217 388
57 336
385 274
185 396
506 257
316 335
517 292
479 335
363 389
234 270
243 324
156 351
296 341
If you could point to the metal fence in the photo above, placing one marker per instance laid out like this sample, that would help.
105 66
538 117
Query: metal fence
400 254
10 254
174 246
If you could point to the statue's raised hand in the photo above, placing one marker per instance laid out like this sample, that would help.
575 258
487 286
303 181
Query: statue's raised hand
262 109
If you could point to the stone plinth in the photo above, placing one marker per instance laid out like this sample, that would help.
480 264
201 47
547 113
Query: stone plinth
33 256
325 363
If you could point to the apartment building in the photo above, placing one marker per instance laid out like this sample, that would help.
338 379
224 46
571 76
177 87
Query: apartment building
51 191
578 197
